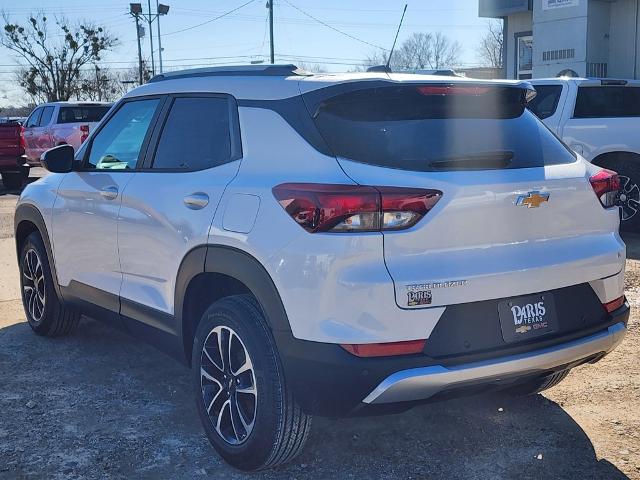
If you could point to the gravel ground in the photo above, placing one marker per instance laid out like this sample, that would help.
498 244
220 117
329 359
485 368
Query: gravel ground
99 404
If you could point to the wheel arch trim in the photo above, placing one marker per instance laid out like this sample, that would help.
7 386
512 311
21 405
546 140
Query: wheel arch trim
239 265
28 213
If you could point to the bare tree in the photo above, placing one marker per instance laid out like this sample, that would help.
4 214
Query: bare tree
419 52
490 50
110 84
53 64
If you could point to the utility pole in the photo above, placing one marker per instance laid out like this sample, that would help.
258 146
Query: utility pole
98 87
136 14
136 11
270 5
150 20
159 37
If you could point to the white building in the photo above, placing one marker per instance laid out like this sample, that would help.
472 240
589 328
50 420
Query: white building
548 38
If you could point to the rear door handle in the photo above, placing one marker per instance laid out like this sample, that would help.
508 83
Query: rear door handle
109 192
196 201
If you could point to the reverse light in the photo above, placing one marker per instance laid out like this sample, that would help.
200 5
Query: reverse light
614 305
385 349
85 133
354 208
605 185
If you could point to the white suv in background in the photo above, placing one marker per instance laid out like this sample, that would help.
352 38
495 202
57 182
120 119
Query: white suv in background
328 244
599 119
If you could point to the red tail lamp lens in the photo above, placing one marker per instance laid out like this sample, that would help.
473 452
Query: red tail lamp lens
605 185
385 349
354 208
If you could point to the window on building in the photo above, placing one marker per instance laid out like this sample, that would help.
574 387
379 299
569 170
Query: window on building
525 57
545 102
607 101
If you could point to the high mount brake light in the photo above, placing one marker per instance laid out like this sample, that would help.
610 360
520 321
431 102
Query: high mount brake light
453 90
605 185
354 208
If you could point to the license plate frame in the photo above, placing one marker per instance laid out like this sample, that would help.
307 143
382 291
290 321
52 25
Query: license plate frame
528 316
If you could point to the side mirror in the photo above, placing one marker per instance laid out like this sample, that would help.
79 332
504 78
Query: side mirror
58 159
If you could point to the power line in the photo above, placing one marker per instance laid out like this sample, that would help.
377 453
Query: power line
334 28
211 20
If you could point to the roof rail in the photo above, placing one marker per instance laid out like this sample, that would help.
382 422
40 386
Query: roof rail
277 70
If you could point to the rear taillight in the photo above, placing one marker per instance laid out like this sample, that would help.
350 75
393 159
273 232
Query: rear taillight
606 184
613 305
85 133
354 208
22 142
385 349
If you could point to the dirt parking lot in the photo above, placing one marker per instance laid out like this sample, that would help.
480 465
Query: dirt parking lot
99 404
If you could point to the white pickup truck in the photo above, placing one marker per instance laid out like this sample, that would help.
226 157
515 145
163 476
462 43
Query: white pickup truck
599 119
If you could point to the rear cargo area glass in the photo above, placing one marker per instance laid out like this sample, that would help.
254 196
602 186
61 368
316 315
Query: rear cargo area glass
437 128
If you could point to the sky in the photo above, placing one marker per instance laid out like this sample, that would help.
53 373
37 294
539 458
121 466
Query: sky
338 34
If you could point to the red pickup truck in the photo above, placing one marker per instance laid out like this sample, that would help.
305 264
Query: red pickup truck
12 166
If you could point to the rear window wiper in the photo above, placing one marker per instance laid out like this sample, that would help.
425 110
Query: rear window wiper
475 161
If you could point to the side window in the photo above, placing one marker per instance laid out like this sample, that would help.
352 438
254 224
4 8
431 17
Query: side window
607 101
34 118
196 135
117 145
545 102
46 116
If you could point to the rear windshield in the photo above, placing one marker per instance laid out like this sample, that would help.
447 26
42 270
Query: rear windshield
545 103
437 127
84 113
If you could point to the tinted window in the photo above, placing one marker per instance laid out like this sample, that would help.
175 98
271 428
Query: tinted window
46 116
117 145
34 118
196 135
602 102
82 114
545 102
431 128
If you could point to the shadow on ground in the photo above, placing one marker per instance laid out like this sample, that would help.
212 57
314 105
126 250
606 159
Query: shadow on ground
99 403
632 241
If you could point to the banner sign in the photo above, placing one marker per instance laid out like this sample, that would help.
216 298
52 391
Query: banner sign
553 4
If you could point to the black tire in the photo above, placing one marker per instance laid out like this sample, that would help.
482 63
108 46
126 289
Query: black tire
629 170
539 385
53 319
13 180
279 428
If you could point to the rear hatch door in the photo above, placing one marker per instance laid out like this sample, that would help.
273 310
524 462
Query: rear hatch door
517 213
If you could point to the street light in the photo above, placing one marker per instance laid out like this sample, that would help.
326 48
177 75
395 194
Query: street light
162 10
136 10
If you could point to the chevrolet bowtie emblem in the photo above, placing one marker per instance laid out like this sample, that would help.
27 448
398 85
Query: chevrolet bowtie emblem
532 199
523 329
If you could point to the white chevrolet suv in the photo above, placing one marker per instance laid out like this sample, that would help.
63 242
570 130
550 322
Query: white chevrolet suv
328 244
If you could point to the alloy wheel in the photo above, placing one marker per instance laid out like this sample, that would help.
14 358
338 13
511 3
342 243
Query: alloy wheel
628 197
228 385
33 284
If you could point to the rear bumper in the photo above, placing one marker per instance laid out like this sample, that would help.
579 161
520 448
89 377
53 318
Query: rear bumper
423 383
328 381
